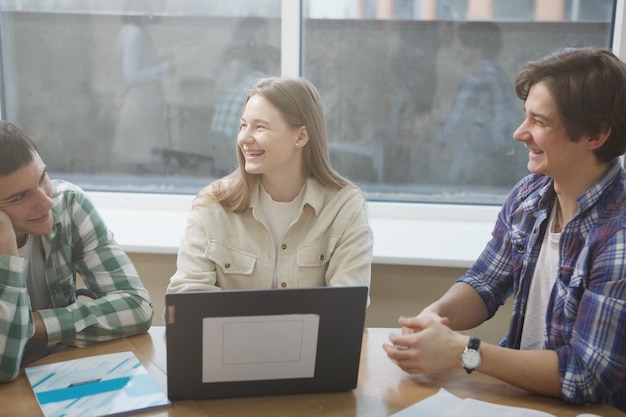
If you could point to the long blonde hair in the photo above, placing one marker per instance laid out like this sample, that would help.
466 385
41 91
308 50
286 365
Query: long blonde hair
300 104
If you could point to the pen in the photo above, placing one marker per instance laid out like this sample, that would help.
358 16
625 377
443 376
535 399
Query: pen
89 381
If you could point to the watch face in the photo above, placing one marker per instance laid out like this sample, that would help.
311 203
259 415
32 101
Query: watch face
471 359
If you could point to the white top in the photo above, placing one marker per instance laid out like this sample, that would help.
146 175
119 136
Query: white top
534 330
279 217
35 275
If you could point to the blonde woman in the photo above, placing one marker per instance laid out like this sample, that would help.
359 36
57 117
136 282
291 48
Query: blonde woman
284 218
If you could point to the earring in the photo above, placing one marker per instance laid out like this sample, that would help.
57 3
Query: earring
297 144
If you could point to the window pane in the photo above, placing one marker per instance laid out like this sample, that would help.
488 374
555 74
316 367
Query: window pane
419 94
138 95
410 118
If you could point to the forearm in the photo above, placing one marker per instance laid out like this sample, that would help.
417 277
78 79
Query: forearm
117 314
432 346
532 370
40 327
180 282
461 305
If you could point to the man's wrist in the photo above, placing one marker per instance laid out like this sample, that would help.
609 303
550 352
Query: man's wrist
8 240
471 357
9 248
40 327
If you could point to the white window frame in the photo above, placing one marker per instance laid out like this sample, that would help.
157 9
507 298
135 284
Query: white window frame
404 233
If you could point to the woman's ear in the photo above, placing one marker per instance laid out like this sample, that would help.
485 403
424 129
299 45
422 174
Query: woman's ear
303 137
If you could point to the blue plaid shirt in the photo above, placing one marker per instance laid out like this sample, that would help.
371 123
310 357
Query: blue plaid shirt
586 315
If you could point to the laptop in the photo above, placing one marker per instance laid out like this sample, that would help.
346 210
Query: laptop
263 342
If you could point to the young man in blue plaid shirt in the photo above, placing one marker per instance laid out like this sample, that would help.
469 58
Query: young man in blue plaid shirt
49 233
558 248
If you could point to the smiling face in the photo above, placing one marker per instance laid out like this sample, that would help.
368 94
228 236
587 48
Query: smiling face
270 146
551 151
25 196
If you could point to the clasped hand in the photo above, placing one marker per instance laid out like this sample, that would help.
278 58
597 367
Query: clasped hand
426 345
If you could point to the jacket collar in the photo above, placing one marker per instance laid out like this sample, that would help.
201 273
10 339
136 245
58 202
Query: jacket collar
313 196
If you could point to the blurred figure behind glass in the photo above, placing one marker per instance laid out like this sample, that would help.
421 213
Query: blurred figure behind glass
477 132
141 130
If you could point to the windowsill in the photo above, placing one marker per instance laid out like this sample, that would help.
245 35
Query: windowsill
404 234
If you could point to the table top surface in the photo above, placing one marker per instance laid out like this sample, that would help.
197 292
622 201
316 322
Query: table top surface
382 389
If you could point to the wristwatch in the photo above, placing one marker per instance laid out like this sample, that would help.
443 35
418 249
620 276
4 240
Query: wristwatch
470 357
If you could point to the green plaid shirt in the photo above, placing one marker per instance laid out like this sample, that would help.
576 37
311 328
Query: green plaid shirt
79 243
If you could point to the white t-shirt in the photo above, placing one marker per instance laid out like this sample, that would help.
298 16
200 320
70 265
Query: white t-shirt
534 329
36 284
279 217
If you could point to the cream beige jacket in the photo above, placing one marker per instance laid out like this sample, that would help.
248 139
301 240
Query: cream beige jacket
329 243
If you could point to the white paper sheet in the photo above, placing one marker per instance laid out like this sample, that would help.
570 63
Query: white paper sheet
445 404
248 348
434 406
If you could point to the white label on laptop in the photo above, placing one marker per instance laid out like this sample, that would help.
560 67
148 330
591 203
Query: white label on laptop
251 348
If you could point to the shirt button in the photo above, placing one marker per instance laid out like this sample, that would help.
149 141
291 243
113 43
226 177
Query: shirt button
520 247
283 246
321 257
227 266
284 285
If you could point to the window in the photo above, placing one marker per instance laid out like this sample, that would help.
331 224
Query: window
419 94
135 95
141 95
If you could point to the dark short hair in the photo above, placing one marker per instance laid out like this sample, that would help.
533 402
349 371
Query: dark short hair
16 148
589 87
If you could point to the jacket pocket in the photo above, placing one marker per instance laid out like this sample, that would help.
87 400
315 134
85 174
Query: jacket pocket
312 260
234 268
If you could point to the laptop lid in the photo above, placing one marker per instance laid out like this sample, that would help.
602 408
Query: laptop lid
263 342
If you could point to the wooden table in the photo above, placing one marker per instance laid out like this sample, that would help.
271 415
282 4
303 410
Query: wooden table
382 387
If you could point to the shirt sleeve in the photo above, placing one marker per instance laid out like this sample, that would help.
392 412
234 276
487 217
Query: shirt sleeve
16 325
351 261
491 275
122 307
194 270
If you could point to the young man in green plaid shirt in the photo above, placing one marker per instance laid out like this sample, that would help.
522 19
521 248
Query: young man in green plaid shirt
49 233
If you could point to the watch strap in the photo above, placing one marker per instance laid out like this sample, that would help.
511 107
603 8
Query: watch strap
474 343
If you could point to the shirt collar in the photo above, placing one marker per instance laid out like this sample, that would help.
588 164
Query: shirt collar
313 196
546 194
591 196
56 214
